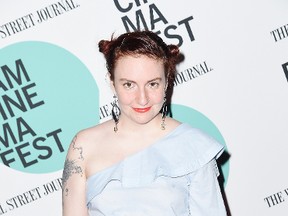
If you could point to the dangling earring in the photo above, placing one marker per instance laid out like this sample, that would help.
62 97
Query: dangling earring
164 112
115 113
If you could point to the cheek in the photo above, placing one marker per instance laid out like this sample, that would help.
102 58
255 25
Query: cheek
125 99
157 98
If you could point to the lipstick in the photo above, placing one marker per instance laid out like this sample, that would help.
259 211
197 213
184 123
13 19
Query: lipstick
142 110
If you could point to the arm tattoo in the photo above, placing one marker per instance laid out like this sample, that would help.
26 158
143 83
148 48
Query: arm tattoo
71 167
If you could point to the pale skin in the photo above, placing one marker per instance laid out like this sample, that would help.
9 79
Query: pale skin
140 84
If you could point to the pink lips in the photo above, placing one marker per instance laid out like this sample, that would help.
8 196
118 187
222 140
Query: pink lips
142 110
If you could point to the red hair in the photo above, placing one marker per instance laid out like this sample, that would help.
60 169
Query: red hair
140 43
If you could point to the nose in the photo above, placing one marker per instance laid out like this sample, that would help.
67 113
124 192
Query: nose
143 97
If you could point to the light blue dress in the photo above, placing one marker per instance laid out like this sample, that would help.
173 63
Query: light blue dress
175 176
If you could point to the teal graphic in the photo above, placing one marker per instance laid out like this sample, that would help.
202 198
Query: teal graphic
47 96
198 120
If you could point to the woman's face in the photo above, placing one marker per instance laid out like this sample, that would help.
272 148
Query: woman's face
140 84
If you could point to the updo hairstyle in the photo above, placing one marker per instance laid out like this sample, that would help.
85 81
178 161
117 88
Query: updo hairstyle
140 43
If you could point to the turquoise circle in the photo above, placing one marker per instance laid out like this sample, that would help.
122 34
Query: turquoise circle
59 97
198 120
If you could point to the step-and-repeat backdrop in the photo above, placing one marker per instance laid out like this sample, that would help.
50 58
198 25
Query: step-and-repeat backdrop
232 84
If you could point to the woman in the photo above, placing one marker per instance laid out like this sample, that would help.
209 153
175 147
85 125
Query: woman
141 162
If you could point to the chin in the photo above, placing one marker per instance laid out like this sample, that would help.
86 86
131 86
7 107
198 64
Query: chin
145 120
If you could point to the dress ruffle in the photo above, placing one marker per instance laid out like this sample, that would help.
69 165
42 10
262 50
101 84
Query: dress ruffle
182 151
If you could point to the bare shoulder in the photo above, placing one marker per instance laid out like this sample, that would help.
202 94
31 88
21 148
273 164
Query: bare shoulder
85 145
91 138
96 146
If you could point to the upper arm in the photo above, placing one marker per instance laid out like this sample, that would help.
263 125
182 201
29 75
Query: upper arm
74 180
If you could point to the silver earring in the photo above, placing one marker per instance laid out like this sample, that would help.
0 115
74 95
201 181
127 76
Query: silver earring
164 111
115 113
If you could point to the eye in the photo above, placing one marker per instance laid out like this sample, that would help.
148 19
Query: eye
128 85
154 84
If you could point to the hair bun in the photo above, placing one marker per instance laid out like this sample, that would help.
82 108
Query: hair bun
104 46
173 50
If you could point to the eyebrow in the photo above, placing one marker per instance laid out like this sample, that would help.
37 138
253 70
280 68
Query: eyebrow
127 80
157 78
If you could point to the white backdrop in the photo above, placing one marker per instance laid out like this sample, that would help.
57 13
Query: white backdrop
238 48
